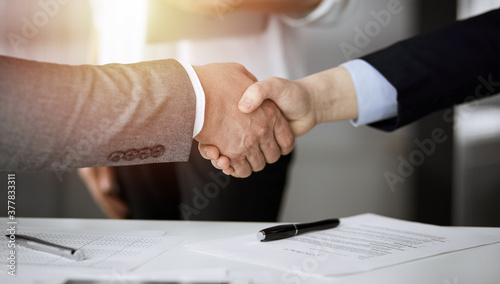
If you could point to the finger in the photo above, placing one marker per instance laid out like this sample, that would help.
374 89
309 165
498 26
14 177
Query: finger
214 163
252 98
223 162
271 150
106 179
254 155
257 161
242 168
268 143
229 171
284 136
208 152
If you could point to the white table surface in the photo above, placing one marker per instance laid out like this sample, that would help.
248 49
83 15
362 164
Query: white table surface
475 265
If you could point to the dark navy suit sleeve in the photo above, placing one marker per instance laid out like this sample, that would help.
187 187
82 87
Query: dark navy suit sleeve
436 70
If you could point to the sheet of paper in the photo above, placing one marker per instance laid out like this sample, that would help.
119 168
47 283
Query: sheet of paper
359 243
120 251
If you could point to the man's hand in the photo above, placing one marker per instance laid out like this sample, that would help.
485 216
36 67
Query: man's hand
247 141
293 100
101 182
322 97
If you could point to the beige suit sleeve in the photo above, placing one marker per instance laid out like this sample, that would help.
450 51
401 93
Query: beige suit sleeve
61 117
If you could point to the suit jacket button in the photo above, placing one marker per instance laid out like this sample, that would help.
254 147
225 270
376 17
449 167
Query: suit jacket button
157 151
144 153
131 154
116 156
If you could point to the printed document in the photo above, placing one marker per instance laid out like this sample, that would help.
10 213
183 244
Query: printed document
104 251
359 243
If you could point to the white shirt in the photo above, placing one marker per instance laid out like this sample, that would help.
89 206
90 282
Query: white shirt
377 98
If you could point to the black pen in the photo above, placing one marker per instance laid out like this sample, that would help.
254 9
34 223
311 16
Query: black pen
41 245
290 230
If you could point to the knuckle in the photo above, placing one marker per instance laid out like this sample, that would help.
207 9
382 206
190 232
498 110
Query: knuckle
262 130
250 142
277 82
289 147
287 144
238 66
290 141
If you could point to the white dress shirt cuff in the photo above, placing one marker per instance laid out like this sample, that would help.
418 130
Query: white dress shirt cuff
328 11
200 98
377 97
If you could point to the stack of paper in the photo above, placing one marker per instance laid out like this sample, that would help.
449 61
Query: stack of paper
359 243
121 251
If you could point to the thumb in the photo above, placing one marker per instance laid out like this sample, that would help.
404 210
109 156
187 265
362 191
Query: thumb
208 152
252 98
270 88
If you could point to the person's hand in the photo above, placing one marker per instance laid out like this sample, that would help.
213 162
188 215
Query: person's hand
292 97
322 97
293 100
101 183
248 141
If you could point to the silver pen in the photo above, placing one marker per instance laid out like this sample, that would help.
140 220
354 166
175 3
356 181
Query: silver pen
41 245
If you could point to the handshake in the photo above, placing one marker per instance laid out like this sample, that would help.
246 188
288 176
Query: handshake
248 123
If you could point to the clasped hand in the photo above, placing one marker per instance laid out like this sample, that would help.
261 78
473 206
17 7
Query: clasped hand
247 140
322 97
